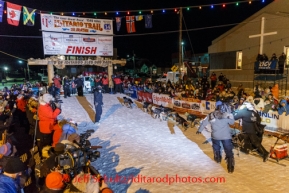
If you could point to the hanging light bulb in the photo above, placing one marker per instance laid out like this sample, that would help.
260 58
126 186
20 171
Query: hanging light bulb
175 10
224 5
62 13
50 13
164 11
117 13
139 12
152 11
83 13
212 6
188 9
105 13
94 13
5 11
128 12
73 13
250 2
200 7
237 3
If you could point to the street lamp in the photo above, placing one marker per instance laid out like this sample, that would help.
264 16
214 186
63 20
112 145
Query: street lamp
5 70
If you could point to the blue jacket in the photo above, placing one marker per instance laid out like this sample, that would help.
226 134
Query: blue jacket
282 109
98 98
8 185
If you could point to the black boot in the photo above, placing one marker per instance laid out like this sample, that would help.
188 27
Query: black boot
217 157
265 153
230 164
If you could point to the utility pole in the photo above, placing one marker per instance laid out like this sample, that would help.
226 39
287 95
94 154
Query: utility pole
180 40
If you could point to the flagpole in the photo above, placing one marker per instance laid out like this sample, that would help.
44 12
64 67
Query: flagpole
180 41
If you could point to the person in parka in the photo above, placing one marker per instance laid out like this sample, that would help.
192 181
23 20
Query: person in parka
220 121
47 120
98 103
283 107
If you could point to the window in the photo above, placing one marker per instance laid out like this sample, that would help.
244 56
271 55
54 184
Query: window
223 60
239 59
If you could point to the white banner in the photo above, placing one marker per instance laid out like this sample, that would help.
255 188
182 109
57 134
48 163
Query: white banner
79 25
77 44
274 121
162 99
207 106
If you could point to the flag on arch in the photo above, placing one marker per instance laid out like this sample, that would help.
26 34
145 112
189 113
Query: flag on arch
130 24
1 10
148 21
28 16
13 13
118 23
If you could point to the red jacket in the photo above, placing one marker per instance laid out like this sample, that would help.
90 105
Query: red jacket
21 104
117 80
104 81
57 134
47 118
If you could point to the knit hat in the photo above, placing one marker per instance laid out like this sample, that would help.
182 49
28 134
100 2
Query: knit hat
14 165
46 98
59 148
218 103
54 180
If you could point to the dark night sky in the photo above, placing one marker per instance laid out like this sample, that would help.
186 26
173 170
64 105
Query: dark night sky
157 47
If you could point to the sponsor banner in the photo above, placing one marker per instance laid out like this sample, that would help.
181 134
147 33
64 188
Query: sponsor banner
274 121
266 65
162 99
207 106
57 23
144 96
187 105
76 44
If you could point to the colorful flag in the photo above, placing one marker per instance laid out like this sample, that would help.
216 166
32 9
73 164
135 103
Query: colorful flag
148 21
138 17
13 13
28 16
1 10
130 25
118 23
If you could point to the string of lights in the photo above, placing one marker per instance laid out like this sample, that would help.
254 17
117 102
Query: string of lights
151 11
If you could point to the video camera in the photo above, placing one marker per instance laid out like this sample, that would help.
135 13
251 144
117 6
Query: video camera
74 160
54 103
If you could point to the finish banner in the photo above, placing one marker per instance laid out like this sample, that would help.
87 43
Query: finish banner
68 24
77 44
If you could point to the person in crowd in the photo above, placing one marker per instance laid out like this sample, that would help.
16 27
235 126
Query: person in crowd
275 91
118 84
250 118
281 62
55 182
283 107
259 103
104 83
73 86
47 120
79 85
52 90
66 87
21 112
31 111
220 78
213 79
57 82
268 105
220 120
9 180
98 104
97 81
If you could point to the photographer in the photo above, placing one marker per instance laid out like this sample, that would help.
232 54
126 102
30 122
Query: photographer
98 103
220 121
47 120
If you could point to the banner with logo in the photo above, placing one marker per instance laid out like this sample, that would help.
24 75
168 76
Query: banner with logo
195 106
266 65
207 106
162 99
144 96
77 44
57 23
274 121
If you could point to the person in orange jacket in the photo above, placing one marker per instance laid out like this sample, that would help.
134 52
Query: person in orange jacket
47 120
104 81
275 91
21 112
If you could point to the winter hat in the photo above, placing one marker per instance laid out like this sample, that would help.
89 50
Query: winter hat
218 103
54 180
59 148
14 165
46 98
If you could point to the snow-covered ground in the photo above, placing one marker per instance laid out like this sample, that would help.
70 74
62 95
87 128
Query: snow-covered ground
163 158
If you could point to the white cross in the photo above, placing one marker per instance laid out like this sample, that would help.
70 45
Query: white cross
262 35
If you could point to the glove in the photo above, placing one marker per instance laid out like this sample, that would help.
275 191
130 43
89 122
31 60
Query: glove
58 105
198 132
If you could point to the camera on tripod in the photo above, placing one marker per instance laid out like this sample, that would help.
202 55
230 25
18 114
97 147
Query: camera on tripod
74 160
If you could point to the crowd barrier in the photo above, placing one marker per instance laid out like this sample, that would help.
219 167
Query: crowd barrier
272 119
